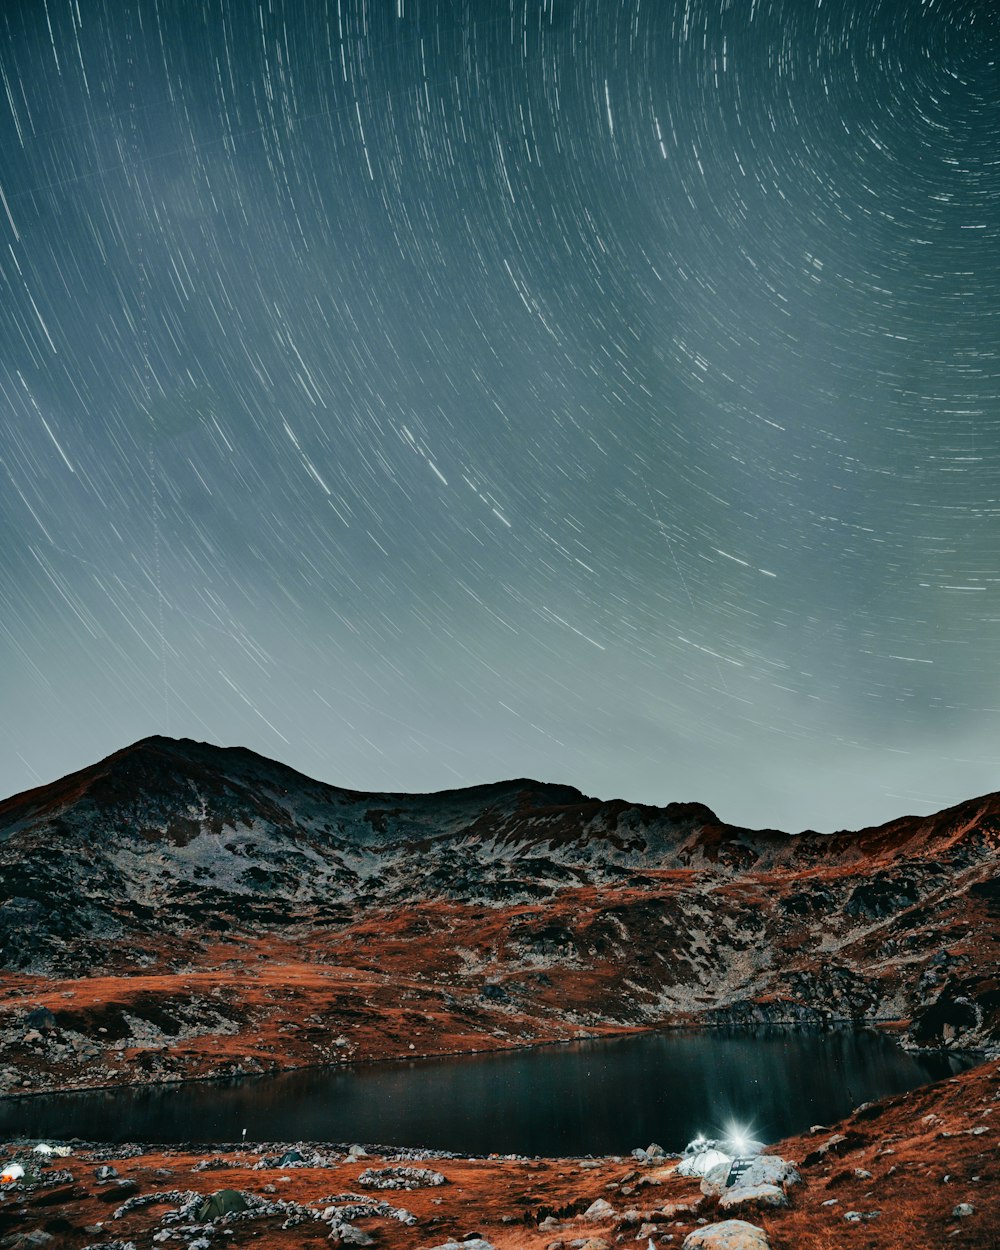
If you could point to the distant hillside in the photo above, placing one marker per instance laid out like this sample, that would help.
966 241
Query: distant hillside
530 901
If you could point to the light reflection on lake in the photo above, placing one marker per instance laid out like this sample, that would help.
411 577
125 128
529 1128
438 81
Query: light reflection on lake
589 1097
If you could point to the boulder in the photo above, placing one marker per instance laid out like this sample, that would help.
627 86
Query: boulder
729 1235
599 1210
346 1234
713 1182
40 1018
962 1210
472 1243
770 1170
752 1196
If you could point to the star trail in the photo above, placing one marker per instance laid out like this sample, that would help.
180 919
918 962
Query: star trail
603 391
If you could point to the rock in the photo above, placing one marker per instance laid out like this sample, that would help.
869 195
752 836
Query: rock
34 1240
350 1235
713 1183
40 1018
106 1173
962 1210
599 1210
675 1210
862 1174
752 1196
653 1151
399 1178
596 1243
770 1170
729 1235
473 1243
858 1217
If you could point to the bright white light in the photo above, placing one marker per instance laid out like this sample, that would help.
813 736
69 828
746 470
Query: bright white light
738 1139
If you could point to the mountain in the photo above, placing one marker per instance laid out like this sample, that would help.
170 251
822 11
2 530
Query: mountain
181 908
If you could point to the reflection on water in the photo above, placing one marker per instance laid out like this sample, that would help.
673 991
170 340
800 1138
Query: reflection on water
592 1097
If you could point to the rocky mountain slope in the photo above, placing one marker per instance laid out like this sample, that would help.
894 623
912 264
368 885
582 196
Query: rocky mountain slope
181 908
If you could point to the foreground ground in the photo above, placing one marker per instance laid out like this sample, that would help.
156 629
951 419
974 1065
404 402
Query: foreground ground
902 1168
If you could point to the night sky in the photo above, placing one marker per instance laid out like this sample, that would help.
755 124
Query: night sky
423 394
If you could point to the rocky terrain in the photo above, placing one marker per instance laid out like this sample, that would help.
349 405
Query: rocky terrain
921 1169
183 910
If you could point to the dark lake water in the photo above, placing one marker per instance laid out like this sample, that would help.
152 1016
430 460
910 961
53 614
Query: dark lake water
591 1097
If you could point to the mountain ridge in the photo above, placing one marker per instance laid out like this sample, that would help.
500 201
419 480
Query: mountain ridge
512 911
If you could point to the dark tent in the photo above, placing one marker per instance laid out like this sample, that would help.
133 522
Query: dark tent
225 1202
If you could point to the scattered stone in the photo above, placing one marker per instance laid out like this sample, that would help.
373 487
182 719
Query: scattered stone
106 1173
962 1210
399 1178
595 1243
858 1217
599 1210
729 1235
862 1174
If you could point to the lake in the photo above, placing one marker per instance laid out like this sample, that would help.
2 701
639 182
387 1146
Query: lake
587 1097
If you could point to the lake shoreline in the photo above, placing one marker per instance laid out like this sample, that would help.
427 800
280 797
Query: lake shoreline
885 1027
572 1097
